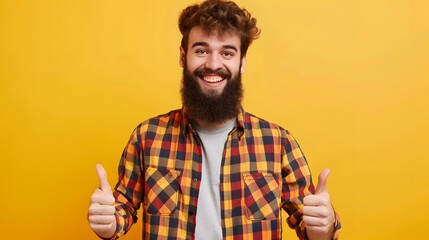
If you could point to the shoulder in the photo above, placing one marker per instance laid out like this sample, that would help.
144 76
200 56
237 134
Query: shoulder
164 119
256 126
253 122
171 119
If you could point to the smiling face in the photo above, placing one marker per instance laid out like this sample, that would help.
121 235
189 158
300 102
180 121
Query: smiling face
213 59
212 66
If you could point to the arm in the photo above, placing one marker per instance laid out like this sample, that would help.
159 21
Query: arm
120 210
128 191
298 190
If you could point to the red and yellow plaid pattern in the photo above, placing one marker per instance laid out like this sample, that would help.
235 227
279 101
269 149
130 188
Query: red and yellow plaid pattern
263 169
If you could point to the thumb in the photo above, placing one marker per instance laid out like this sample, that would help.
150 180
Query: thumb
323 177
102 177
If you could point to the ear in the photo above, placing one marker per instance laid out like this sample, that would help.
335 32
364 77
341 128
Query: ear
243 64
182 57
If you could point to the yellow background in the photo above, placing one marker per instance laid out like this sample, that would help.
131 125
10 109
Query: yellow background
349 79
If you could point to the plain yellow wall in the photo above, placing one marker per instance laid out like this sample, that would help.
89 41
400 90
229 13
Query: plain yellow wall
349 79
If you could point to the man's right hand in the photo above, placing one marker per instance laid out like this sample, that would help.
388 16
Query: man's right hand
101 213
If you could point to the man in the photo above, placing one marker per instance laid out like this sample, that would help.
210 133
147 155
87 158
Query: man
211 170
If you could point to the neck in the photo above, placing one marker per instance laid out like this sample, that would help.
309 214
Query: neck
212 126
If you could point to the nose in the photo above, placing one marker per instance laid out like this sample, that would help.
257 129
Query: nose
214 62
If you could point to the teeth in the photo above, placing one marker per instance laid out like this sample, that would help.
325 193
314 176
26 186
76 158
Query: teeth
213 79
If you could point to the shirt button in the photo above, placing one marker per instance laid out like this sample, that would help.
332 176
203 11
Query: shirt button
195 179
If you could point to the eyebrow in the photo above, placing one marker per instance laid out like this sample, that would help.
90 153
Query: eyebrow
204 44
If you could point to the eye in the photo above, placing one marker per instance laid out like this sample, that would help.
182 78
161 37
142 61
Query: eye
228 54
201 52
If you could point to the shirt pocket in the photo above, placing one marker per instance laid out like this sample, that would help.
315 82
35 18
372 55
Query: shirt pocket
161 191
262 196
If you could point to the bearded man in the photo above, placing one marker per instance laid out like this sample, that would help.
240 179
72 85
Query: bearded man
210 170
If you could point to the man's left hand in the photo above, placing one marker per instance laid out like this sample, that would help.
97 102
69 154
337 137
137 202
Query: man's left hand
318 214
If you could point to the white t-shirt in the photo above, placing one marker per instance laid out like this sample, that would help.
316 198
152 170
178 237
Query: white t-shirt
209 222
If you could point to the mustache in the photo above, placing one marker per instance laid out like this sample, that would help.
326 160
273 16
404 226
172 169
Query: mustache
205 71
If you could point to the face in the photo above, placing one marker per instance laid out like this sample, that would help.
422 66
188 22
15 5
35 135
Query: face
211 86
213 59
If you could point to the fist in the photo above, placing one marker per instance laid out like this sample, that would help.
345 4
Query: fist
101 213
318 213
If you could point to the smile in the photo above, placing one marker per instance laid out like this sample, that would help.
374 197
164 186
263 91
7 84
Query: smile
212 78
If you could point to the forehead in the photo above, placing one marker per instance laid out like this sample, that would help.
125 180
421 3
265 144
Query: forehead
213 39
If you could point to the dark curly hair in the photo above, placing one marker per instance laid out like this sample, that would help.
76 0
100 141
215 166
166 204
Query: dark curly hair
222 17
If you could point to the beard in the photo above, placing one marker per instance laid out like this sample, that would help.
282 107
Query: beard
211 106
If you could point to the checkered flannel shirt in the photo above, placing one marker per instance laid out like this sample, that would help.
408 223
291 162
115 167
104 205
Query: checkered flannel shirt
263 169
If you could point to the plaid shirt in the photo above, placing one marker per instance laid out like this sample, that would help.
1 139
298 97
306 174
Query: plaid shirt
263 169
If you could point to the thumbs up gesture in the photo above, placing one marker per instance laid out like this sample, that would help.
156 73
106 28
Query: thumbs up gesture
101 213
318 213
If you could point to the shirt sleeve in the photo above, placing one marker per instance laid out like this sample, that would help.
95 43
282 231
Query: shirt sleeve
128 191
297 183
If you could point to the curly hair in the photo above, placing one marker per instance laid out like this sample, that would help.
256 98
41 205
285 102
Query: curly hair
221 17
